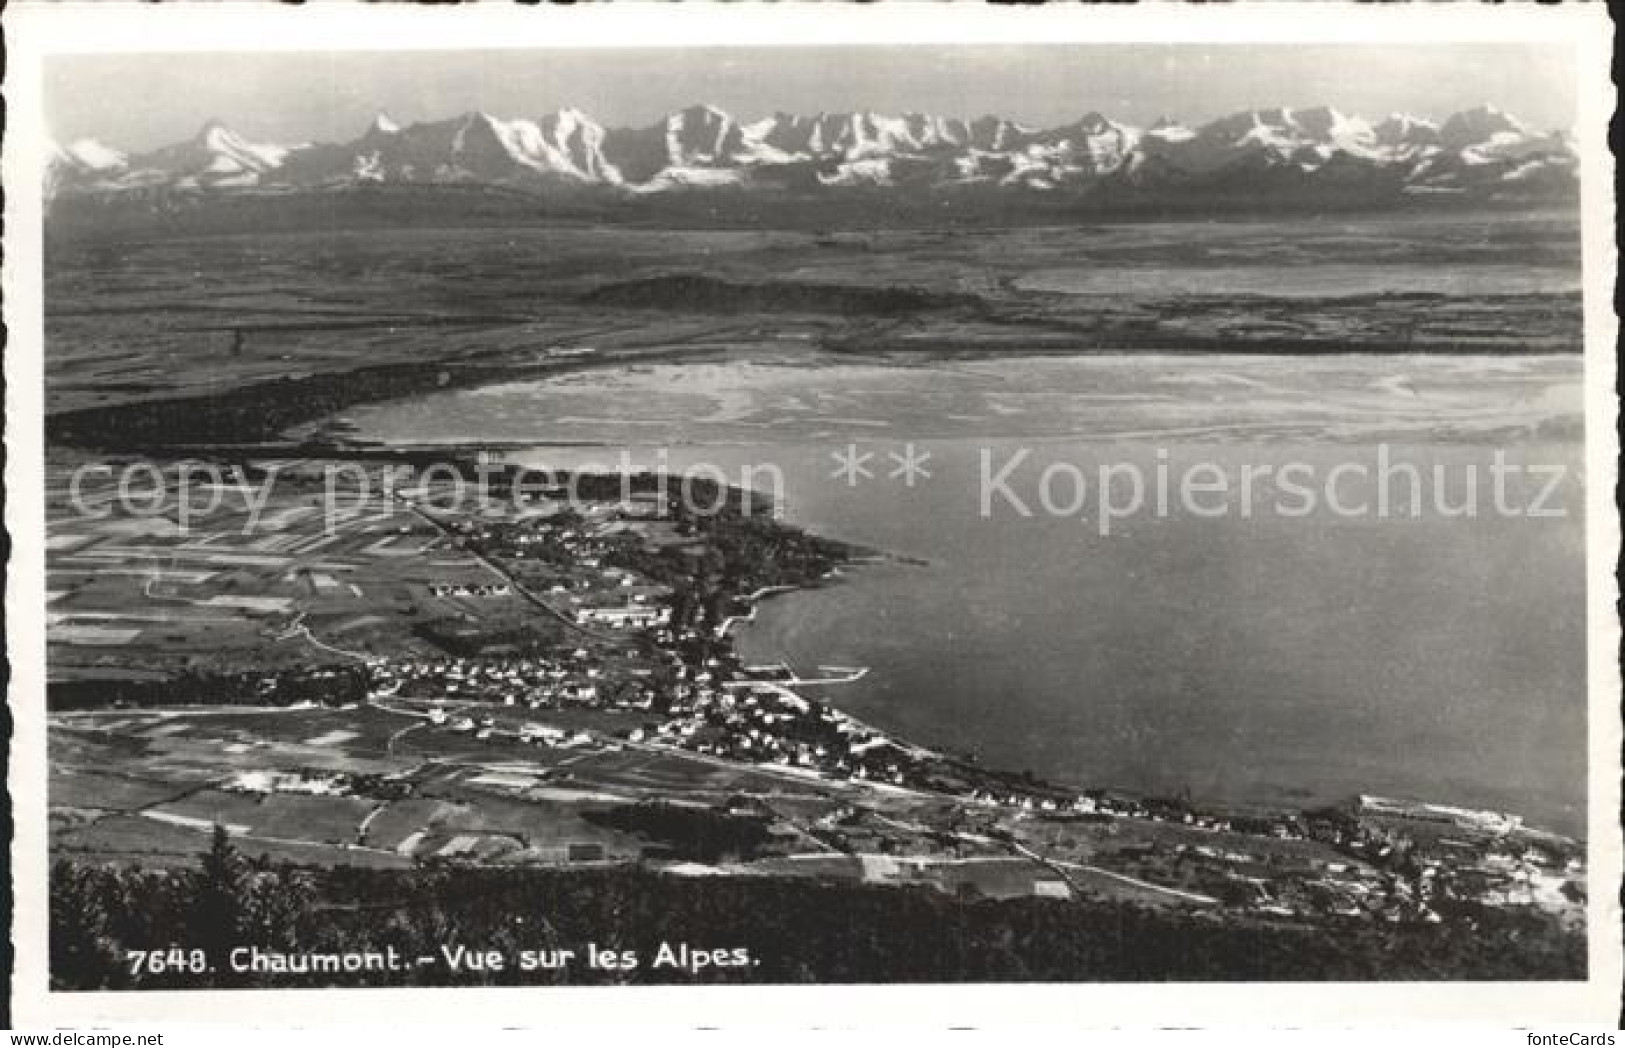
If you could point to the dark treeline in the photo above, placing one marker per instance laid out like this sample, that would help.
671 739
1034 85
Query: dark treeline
797 930
1259 195
696 293
687 498
686 832
330 685
741 555
256 413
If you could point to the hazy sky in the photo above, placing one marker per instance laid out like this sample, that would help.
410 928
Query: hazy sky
141 101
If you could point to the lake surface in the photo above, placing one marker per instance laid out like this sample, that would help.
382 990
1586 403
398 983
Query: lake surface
1272 655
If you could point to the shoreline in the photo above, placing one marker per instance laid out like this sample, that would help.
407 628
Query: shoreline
416 450
1259 805
286 406
728 631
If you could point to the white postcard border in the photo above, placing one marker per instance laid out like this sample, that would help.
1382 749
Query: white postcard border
36 31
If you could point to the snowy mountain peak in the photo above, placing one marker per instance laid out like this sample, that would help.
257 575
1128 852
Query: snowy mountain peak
702 135
702 146
215 156
92 155
1479 125
571 117
1168 130
1329 129
1405 129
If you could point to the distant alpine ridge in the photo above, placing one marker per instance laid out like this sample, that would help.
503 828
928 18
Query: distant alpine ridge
1312 156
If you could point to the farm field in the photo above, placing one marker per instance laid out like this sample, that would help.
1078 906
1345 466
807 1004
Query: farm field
322 786
273 564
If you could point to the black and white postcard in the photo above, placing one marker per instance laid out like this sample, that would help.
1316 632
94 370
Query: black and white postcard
990 505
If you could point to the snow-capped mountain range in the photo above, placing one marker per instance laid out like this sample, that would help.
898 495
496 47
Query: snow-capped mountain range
1479 152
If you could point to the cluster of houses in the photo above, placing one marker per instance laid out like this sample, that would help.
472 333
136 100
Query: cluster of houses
533 682
1280 826
277 780
575 578
617 598
1477 820
1528 879
766 724
710 706
594 534
484 726
466 589
1360 891
625 616
1395 870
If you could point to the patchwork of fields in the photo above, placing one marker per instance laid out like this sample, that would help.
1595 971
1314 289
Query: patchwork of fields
344 787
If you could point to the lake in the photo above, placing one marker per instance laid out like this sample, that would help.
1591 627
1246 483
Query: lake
1242 646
